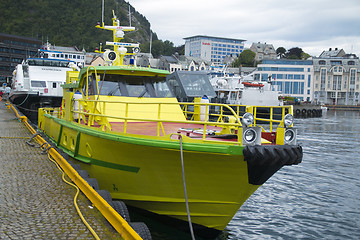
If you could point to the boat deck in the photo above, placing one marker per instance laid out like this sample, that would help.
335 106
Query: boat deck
188 129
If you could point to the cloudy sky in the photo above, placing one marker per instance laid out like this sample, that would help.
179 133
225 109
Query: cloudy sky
313 25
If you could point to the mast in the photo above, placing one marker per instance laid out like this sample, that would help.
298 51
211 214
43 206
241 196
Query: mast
102 13
116 57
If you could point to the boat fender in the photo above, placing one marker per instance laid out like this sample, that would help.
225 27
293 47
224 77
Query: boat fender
105 195
303 111
76 106
120 208
204 115
141 229
309 112
297 111
319 112
264 160
93 183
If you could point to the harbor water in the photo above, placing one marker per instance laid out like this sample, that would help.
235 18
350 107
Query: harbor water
317 199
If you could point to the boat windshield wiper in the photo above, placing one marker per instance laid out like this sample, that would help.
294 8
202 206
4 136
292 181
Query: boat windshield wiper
143 93
113 91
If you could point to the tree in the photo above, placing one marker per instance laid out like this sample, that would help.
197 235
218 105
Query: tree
305 56
246 59
280 51
294 53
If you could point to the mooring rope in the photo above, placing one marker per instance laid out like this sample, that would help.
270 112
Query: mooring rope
185 192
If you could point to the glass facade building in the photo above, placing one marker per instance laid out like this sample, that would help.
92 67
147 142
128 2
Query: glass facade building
292 77
213 49
13 50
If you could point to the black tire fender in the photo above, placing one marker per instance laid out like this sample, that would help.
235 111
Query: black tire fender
105 195
120 208
141 229
83 173
93 183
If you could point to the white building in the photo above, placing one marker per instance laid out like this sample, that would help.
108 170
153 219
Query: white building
263 51
293 78
336 78
213 49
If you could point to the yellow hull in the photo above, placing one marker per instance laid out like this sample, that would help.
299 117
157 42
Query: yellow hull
146 172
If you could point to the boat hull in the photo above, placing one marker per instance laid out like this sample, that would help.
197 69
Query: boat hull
30 102
146 172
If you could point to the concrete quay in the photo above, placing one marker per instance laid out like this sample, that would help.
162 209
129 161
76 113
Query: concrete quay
34 201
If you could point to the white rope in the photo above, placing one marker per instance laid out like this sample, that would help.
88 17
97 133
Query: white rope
185 192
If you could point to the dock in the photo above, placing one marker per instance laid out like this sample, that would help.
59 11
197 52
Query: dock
35 203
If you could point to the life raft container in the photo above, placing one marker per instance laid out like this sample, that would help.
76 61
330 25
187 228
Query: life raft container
249 84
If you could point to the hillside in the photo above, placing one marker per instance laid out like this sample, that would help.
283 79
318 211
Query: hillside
69 23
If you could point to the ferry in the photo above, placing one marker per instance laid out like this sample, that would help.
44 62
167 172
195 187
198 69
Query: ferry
127 129
36 83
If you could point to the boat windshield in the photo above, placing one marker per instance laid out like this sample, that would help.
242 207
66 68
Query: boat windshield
130 86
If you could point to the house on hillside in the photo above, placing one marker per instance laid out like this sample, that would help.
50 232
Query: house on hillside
263 51
176 62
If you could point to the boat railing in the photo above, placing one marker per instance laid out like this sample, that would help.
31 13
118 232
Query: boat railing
227 117
88 115
266 117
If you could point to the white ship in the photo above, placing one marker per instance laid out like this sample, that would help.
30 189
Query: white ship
63 53
245 91
36 83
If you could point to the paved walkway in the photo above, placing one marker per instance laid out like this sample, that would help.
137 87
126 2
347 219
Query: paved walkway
34 201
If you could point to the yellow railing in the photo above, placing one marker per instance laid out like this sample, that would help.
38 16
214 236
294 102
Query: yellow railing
263 115
91 112
220 115
275 114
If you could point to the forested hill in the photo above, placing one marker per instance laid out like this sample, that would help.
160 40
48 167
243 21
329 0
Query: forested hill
70 22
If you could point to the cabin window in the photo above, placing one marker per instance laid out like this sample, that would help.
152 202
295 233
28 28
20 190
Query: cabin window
233 95
38 84
131 86
54 85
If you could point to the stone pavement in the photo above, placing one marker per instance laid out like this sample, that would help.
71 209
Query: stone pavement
34 201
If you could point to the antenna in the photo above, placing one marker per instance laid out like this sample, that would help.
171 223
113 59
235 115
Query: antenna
102 13
129 16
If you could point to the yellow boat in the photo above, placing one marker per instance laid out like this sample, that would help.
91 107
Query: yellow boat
128 130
